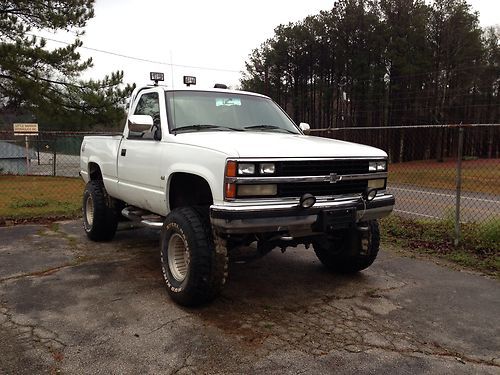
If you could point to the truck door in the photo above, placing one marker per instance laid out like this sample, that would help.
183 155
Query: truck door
139 160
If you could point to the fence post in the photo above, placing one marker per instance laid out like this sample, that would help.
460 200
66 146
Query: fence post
54 160
27 155
38 147
458 184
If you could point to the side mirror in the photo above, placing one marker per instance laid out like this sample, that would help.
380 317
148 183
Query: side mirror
140 123
306 129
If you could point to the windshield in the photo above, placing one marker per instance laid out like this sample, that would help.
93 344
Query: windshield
190 111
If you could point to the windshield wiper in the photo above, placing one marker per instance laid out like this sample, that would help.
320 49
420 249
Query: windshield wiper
202 127
266 127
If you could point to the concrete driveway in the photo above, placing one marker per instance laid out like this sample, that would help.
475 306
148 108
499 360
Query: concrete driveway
71 306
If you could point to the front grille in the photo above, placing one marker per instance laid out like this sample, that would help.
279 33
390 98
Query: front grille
321 188
321 167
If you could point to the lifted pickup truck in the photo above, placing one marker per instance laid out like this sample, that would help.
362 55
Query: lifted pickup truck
218 169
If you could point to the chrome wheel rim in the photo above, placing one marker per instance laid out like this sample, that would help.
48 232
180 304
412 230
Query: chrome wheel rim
89 210
178 257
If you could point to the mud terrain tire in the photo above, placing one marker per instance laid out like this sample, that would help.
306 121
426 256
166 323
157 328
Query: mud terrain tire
99 214
194 271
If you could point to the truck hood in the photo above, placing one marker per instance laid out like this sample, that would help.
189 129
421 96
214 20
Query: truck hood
275 145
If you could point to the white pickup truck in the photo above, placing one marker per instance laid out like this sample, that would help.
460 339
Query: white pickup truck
218 169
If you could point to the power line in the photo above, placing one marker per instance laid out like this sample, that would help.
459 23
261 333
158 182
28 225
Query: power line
139 58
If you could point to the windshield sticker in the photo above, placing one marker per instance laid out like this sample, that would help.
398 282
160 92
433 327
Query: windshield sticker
227 102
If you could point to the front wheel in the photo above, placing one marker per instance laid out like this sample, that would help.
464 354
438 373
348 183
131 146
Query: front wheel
192 268
99 215
350 251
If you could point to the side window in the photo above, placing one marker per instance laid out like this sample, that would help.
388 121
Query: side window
149 104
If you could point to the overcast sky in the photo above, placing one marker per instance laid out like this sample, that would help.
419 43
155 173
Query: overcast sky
210 34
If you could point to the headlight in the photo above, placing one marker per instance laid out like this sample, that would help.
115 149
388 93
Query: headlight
257 190
377 166
267 168
376 184
246 168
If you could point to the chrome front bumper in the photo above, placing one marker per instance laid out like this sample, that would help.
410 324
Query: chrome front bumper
288 217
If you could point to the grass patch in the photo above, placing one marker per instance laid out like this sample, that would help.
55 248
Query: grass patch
491 232
24 197
479 248
482 175
29 203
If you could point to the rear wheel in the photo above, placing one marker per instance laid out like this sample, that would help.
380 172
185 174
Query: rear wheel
99 213
192 268
351 250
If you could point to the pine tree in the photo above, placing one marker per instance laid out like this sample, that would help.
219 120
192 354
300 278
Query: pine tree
47 82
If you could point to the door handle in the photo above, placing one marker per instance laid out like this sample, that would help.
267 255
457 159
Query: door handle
123 152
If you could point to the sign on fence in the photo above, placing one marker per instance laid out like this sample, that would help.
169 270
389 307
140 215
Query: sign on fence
26 129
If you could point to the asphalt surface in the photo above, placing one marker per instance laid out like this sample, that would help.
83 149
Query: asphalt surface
71 306
421 202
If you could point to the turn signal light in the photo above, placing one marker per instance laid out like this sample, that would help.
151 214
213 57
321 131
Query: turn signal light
231 168
230 189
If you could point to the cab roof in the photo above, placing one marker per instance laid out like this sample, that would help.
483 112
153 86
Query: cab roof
137 90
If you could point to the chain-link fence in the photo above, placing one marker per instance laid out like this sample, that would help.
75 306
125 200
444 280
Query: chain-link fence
438 172
39 174
43 154
449 172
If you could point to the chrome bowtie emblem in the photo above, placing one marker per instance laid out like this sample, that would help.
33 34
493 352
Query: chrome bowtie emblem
334 178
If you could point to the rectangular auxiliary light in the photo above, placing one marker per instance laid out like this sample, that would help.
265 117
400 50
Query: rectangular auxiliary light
189 80
156 76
